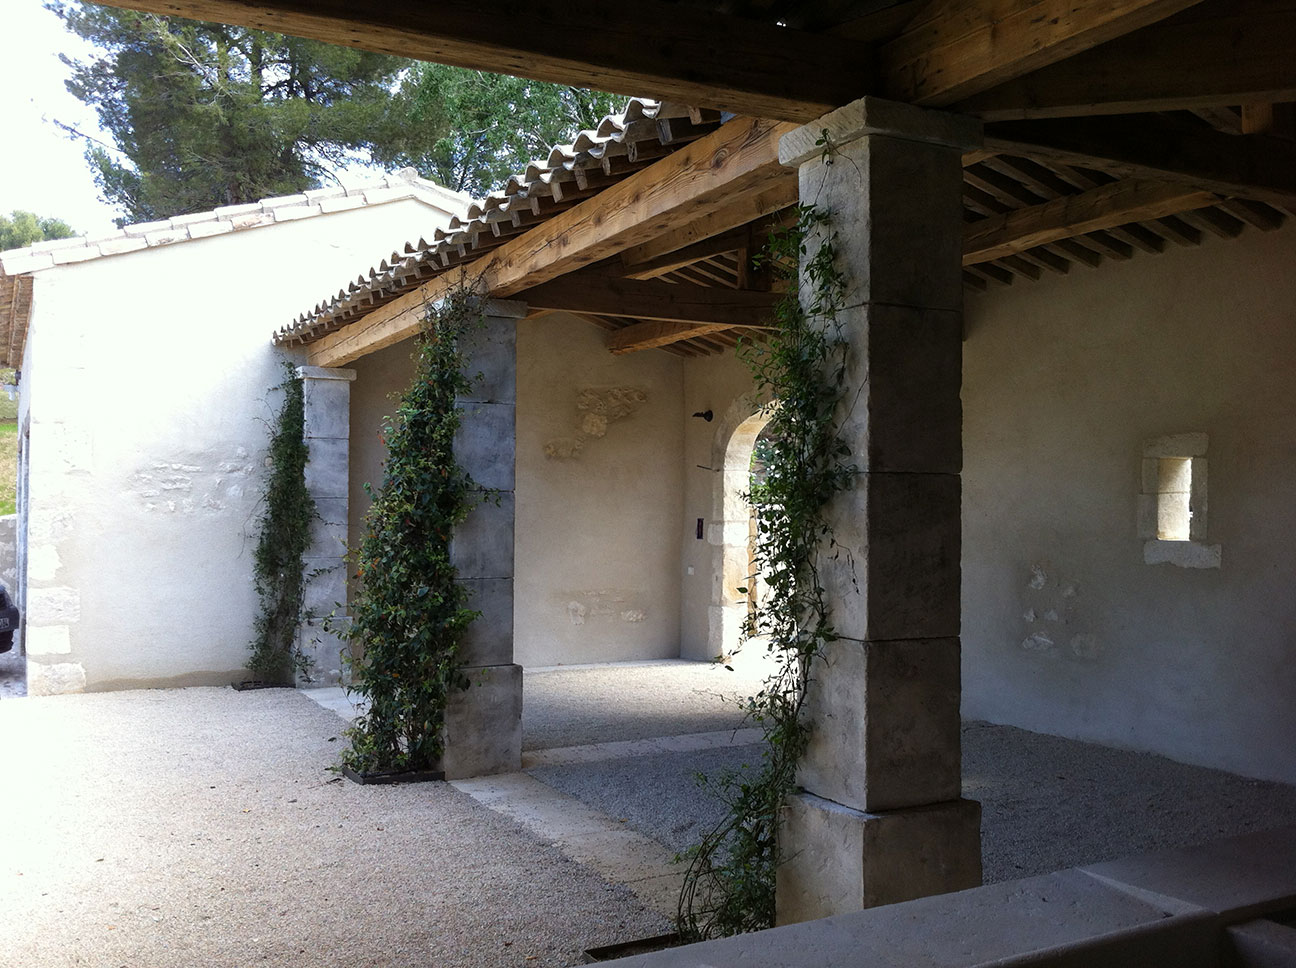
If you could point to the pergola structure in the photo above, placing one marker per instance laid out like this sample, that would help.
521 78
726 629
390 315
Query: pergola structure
975 143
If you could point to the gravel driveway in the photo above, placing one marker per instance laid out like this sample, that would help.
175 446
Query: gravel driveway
202 827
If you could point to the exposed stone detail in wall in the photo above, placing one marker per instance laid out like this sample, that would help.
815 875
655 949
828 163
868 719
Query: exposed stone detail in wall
604 606
195 484
1052 623
596 410
55 678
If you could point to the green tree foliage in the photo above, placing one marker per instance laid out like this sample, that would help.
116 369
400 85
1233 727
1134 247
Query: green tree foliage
205 114
200 115
410 614
469 130
19 229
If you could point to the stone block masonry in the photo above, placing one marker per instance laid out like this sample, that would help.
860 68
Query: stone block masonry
327 392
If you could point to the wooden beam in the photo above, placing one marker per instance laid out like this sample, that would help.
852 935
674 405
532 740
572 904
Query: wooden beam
670 302
1223 52
954 49
690 184
1255 166
655 335
729 241
1067 217
669 50
738 211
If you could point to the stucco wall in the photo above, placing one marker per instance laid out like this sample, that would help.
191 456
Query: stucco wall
723 385
148 390
1065 628
599 455
598 490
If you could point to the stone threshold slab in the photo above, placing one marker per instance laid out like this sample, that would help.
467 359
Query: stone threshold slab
625 749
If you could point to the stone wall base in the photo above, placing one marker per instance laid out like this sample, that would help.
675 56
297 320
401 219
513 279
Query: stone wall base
483 724
837 860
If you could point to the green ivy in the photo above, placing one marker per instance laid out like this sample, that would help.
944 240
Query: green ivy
409 615
278 569
729 881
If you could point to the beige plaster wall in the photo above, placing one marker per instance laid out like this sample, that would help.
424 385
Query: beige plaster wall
723 385
598 503
597 544
147 388
1065 628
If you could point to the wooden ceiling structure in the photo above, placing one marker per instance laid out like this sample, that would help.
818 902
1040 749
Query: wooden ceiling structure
1112 127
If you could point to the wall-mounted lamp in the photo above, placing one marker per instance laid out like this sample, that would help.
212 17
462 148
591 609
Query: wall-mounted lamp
706 415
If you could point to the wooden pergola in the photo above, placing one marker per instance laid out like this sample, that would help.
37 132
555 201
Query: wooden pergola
1078 130
1112 126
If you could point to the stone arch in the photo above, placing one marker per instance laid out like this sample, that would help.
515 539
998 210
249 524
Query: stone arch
730 534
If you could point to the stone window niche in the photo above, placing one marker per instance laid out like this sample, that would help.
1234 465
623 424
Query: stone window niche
1172 503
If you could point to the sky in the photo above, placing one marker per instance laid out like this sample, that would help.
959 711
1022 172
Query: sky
41 169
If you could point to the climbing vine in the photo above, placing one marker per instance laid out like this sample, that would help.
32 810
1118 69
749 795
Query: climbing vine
278 570
409 615
729 880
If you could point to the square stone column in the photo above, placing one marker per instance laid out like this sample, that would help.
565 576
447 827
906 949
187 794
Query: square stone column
881 819
483 729
327 393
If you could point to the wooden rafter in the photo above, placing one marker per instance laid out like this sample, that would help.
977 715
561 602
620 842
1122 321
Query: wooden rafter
713 305
670 50
656 335
954 49
1064 218
1224 52
693 182
1258 167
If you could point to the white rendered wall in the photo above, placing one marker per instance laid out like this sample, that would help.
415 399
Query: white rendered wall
147 384
1065 628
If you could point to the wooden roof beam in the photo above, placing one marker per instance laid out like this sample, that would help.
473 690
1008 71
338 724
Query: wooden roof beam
696 180
655 335
1223 52
668 302
1065 218
670 50
954 49
1259 167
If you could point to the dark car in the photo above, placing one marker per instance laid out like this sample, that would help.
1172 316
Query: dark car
8 619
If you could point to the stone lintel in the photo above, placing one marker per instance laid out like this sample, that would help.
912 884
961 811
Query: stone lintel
838 860
884 724
878 116
483 724
325 373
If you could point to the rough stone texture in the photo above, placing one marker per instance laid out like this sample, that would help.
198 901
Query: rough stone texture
492 361
838 860
895 570
58 605
884 724
483 724
482 546
326 470
483 444
890 179
55 678
47 640
489 639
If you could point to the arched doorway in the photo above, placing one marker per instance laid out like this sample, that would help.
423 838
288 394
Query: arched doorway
733 533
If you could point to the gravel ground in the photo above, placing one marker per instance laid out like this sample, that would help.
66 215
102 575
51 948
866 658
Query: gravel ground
201 827
1047 803
581 705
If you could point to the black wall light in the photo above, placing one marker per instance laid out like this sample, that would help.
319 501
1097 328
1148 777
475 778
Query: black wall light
706 415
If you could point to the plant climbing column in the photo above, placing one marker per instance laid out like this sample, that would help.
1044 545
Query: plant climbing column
327 392
881 819
483 723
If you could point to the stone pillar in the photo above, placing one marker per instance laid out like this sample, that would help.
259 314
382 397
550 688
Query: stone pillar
881 819
483 729
327 392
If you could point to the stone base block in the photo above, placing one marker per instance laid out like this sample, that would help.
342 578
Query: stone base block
837 860
884 724
483 724
325 652
55 678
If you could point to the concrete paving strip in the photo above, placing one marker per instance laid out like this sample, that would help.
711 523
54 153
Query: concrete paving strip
587 836
597 752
